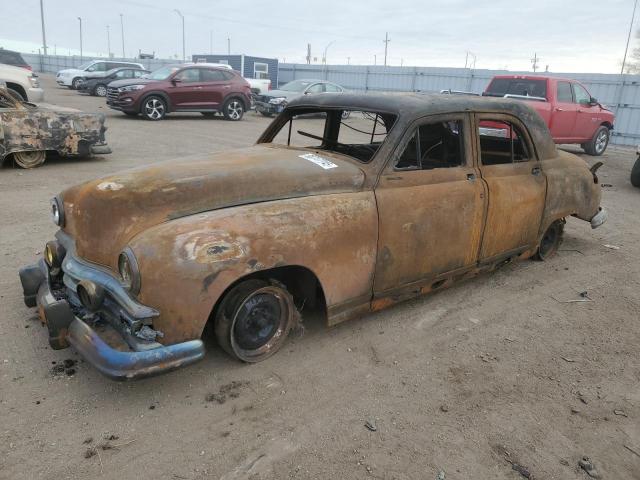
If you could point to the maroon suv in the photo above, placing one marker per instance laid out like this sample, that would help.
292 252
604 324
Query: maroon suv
182 88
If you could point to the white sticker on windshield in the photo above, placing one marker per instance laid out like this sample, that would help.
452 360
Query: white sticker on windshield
318 160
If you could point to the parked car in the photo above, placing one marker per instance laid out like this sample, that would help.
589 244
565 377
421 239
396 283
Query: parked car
71 77
571 113
28 132
258 85
635 170
344 216
276 100
9 57
97 85
182 88
21 83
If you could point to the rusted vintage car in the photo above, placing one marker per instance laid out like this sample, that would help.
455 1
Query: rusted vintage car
28 132
409 194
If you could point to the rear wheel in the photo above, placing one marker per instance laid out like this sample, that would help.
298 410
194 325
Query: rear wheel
100 90
635 173
550 241
254 320
154 108
16 94
233 109
598 144
30 159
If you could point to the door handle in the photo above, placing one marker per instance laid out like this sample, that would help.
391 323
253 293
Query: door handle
471 177
536 171
558 109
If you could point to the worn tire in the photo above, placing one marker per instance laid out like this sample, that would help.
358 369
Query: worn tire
598 144
30 159
635 173
550 241
233 109
266 114
254 319
75 83
16 94
153 108
100 90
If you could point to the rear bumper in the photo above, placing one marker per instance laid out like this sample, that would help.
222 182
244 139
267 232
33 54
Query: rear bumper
65 328
599 218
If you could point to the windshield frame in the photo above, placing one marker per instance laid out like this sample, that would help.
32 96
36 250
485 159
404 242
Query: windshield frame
308 83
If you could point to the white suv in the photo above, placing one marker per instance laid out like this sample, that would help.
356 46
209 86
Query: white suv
21 83
71 77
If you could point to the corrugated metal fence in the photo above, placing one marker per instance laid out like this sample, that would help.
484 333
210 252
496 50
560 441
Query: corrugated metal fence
621 94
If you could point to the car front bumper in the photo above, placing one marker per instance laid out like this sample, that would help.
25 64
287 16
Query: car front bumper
55 295
270 108
599 218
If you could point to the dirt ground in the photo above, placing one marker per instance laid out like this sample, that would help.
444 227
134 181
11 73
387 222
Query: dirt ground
493 375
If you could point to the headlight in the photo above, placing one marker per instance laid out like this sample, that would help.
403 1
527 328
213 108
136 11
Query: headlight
54 254
57 211
278 100
128 269
130 88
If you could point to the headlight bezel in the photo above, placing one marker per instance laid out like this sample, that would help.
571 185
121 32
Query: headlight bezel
278 100
57 211
130 88
129 271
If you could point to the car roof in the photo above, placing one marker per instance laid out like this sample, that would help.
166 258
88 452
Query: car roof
412 106
534 77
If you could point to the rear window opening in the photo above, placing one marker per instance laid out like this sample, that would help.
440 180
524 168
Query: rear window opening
357 134
499 87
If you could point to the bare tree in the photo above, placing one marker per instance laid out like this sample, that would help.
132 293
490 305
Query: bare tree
633 63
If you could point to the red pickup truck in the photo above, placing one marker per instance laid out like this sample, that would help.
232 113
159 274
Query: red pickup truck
572 114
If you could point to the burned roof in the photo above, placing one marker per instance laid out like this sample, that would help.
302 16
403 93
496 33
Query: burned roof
411 106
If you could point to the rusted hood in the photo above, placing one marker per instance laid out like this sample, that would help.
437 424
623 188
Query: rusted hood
104 214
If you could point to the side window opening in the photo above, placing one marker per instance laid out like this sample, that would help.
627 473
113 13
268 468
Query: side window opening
434 145
564 92
501 143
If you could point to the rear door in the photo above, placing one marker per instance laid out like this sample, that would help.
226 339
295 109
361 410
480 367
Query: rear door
216 84
516 187
431 205
563 116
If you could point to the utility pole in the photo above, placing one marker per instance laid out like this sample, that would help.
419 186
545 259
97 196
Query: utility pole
466 59
348 60
375 59
108 43
44 38
184 58
122 31
386 44
308 53
80 20
211 42
401 62
534 62
228 45
624 59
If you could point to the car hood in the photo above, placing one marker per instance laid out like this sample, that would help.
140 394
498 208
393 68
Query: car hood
131 81
105 214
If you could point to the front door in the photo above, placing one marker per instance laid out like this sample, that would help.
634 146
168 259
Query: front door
516 185
431 205
563 117
187 90
587 119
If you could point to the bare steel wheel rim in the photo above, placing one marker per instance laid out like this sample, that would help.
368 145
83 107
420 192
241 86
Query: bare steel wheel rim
101 91
260 324
601 141
154 108
235 110
30 159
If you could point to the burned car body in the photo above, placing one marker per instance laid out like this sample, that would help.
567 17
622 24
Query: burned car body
408 195
28 131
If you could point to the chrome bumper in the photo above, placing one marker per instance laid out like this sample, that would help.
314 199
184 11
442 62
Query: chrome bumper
599 218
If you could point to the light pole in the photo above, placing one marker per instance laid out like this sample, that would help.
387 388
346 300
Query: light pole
80 20
184 58
44 38
108 43
122 32
211 42
228 45
624 59
386 44
324 57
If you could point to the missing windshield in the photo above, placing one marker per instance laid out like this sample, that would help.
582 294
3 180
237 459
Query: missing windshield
358 134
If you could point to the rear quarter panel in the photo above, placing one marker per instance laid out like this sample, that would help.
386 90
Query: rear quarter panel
188 263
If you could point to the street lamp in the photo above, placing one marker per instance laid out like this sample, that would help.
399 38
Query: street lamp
44 38
324 57
122 31
80 20
108 43
184 57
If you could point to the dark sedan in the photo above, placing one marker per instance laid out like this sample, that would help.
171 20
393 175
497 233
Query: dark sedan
98 85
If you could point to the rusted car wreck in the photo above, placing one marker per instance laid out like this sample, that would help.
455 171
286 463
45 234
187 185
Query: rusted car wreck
28 132
408 195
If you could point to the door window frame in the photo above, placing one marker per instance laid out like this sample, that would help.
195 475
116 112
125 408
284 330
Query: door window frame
508 118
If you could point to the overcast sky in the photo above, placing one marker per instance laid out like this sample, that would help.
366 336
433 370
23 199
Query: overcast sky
567 35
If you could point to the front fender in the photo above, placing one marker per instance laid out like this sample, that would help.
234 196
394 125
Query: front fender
188 263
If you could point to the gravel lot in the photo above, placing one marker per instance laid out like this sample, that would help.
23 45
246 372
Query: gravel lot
473 381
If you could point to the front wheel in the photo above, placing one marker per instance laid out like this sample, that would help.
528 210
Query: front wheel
100 90
30 159
76 83
551 240
254 320
154 108
598 144
233 109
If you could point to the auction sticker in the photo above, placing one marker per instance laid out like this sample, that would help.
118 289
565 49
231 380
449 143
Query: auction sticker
318 160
